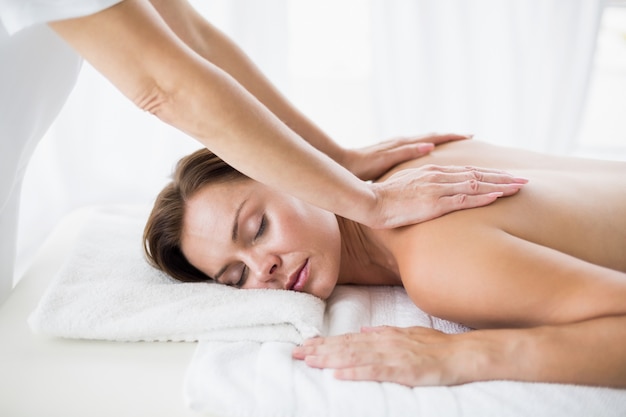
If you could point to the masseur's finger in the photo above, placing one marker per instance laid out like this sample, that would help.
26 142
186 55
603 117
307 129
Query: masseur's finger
474 187
419 194
460 174
435 139
443 138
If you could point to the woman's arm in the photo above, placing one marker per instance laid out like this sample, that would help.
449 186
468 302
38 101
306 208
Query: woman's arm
137 51
545 316
590 352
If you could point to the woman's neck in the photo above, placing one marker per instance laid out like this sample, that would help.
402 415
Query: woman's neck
365 260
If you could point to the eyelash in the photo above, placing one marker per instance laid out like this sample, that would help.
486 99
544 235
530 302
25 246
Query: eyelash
244 275
262 227
244 270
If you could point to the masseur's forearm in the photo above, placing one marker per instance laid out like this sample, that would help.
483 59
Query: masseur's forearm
135 49
590 352
213 45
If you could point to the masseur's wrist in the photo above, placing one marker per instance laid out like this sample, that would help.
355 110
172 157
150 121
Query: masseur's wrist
369 211
346 158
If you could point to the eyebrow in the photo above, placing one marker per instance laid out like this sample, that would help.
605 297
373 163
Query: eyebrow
234 236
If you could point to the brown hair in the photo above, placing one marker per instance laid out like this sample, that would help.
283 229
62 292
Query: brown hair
162 234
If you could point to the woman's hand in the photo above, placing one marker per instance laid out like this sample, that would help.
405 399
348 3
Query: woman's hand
371 162
413 356
419 194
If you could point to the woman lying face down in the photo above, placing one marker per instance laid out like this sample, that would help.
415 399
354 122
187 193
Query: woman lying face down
212 221
539 272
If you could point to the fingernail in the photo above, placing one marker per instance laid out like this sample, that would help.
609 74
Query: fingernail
298 354
422 147
471 135
496 194
520 180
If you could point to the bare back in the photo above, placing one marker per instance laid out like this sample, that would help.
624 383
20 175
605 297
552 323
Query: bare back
533 258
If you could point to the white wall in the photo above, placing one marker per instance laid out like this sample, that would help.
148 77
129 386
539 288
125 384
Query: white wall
103 150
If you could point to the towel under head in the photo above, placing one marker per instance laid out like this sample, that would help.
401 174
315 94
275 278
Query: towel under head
106 290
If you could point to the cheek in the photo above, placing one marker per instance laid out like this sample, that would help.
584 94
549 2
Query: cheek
320 227
329 230
312 228
325 238
317 233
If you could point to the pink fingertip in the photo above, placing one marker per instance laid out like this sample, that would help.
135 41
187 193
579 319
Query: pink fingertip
298 353
425 147
341 375
312 361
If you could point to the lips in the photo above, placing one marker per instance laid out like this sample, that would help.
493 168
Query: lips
298 279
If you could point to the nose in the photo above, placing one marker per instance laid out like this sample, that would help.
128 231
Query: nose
264 267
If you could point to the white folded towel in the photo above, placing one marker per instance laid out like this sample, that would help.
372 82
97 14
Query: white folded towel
262 380
107 290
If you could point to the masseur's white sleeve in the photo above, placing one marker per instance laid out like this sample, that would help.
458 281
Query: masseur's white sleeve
19 14
37 73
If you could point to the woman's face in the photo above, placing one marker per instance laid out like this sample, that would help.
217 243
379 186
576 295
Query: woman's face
245 234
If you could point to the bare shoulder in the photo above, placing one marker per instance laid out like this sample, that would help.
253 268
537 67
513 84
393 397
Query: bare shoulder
479 275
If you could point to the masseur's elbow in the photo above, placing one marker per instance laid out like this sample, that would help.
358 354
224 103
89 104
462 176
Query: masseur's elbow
152 98
184 101
171 103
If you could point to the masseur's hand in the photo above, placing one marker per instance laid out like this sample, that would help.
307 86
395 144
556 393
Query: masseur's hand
419 194
414 356
371 162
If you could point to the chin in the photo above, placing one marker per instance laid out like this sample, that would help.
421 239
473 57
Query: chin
325 291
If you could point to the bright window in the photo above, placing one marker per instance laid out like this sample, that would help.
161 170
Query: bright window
603 131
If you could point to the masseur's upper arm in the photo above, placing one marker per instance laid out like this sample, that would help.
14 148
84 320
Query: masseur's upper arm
132 46
484 277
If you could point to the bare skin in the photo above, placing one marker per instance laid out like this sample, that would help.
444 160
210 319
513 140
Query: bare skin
543 275
174 64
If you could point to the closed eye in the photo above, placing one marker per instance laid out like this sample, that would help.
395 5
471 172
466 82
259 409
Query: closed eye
243 277
244 270
262 227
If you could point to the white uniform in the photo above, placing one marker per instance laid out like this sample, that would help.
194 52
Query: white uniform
37 73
